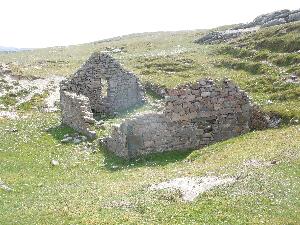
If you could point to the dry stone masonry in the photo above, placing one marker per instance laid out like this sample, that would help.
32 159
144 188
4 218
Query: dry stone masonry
194 116
101 85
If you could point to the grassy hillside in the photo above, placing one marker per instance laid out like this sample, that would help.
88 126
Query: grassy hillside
98 188
92 186
258 62
65 60
269 57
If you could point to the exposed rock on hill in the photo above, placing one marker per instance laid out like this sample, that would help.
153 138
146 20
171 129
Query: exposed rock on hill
265 20
191 187
16 91
4 69
215 37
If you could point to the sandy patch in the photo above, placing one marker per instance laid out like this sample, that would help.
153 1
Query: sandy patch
191 187
9 115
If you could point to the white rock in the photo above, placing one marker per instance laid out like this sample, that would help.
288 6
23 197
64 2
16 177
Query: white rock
66 135
269 101
76 140
66 140
5 187
54 162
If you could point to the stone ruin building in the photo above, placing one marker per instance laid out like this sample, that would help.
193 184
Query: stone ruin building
101 85
193 115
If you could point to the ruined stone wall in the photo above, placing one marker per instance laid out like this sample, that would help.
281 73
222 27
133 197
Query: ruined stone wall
123 87
108 87
77 113
194 116
124 92
149 133
222 110
156 89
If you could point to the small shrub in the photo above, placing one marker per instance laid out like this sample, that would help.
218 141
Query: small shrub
287 59
9 99
262 55
235 51
37 100
248 66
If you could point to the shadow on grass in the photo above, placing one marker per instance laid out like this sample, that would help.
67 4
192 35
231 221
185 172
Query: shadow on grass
115 163
153 94
120 114
252 67
59 131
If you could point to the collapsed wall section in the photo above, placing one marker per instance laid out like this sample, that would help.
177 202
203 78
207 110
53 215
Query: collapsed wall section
109 87
149 133
77 113
101 85
195 115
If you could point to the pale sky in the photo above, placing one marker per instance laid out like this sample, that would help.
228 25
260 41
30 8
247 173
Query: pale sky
42 23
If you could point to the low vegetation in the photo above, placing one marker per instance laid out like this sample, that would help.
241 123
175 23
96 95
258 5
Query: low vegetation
92 186
36 102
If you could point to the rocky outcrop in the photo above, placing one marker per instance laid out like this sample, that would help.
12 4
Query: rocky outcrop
266 20
276 18
5 69
216 37
194 116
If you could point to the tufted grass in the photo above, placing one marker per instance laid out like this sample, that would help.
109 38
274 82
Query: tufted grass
253 61
87 188
99 188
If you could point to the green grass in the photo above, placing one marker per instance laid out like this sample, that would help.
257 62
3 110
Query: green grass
172 58
268 57
280 39
8 99
84 187
11 98
66 60
36 102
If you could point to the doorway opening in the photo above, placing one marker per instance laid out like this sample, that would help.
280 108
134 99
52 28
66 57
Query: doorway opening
104 88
